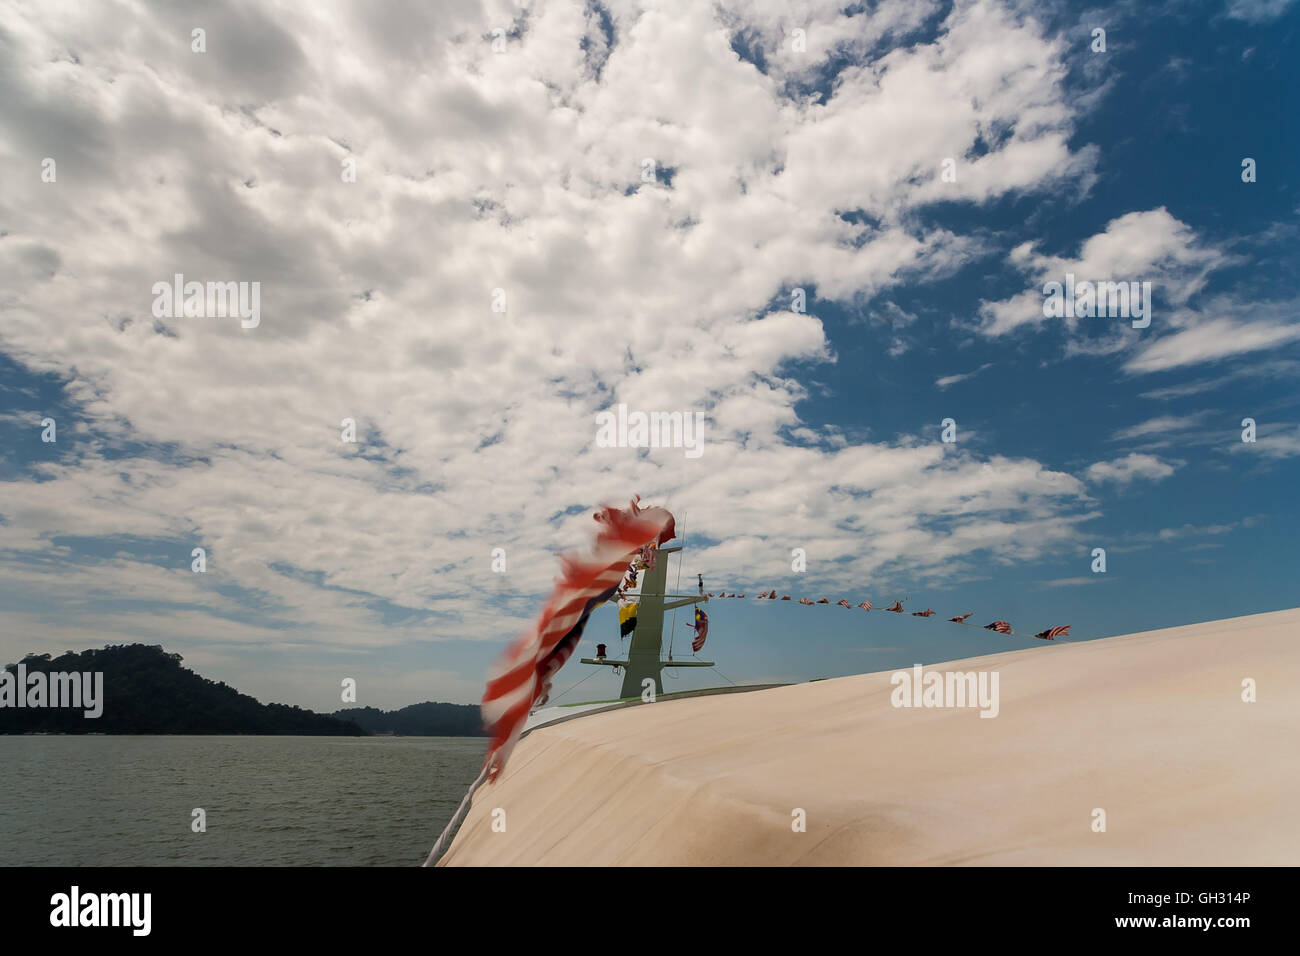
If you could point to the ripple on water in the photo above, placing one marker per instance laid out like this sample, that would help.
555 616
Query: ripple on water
270 801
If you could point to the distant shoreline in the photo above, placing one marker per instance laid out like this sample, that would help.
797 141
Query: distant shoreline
142 690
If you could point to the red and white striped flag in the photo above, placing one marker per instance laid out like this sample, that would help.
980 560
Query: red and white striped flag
1002 627
865 605
961 618
928 612
845 604
522 675
701 630
1052 633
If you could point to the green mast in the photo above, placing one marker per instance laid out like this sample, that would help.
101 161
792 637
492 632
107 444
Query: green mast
644 658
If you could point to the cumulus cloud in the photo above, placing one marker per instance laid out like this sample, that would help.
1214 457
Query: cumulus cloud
1150 246
522 171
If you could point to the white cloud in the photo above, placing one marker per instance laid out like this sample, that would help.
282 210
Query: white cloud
948 380
475 171
1124 470
1213 340
1150 246
1161 426
1258 11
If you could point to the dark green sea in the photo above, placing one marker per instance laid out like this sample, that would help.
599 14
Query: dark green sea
270 801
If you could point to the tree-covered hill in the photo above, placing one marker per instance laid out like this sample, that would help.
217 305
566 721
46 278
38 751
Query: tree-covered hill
418 720
147 691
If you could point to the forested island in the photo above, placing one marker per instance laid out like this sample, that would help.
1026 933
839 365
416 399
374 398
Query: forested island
146 690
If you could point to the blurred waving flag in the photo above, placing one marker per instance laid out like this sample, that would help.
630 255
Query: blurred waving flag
522 675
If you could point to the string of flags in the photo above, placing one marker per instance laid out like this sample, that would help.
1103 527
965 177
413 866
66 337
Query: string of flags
1001 627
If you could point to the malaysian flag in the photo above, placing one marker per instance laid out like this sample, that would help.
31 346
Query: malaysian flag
845 604
1002 627
865 605
1052 633
961 618
701 630
522 675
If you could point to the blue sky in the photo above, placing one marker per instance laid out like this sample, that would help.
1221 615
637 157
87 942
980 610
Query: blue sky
520 169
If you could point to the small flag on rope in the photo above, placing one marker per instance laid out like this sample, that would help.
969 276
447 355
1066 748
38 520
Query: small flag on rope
865 605
926 613
961 618
1052 633
701 630
845 604
785 597
627 619
897 607
805 601
824 601
772 595
1002 627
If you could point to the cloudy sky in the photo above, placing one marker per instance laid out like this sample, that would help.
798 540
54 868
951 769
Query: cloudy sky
639 189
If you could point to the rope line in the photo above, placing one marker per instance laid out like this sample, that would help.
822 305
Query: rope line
1010 633
585 679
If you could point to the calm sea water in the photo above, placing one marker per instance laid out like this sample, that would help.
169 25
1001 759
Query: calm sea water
270 801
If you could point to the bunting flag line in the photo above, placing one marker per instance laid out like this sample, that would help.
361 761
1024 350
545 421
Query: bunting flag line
521 677
1002 627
